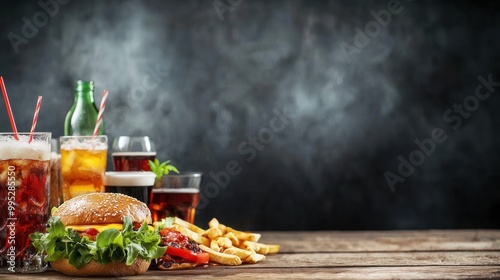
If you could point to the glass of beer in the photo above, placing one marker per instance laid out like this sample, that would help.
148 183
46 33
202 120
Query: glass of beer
83 164
177 196
136 184
132 153
24 199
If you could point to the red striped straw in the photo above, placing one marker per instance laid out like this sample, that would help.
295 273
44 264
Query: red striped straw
9 110
35 118
101 111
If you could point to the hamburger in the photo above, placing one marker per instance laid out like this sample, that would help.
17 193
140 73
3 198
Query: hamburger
100 234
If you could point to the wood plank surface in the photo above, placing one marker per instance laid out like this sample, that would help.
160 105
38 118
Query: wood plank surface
380 241
422 272
382 259
431 254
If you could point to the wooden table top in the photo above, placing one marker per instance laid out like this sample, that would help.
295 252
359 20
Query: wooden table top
426 254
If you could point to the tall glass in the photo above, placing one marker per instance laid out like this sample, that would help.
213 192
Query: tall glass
83 164
55 175
24 199
177 196
132 153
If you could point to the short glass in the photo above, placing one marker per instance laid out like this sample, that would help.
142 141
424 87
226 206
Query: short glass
136 184
24 199
176 196
83 164
132 153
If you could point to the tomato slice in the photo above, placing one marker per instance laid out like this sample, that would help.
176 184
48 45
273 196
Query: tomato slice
92 232
188 255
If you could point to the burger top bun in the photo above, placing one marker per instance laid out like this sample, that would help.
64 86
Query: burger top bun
93 268
102 208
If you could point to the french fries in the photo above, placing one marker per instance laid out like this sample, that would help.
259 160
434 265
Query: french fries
234 240
214 246
226 245
221 258
242 254
185 224
254 258
192 235
244 235
212 233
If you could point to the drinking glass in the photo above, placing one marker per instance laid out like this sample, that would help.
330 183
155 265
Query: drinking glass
176 196
132 153
136 184
55 175
83 164
24 199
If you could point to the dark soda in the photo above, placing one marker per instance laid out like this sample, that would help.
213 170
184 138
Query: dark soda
132 161
24 199
180 203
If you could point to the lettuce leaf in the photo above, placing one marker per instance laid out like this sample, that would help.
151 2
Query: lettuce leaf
110 245
164 223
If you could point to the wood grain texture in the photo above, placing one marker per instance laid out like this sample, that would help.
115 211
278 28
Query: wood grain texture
423 272
435 254
383 241
382 259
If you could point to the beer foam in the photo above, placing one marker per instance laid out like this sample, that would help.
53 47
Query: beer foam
11 148
129 178
180 190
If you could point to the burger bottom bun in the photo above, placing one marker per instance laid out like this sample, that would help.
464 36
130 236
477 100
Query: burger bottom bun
93 268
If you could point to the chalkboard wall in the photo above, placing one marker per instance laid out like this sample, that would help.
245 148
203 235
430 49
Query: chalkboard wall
305 115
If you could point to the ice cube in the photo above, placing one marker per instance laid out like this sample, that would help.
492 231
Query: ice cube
68 162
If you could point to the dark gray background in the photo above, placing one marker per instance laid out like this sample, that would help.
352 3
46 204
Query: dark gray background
222 79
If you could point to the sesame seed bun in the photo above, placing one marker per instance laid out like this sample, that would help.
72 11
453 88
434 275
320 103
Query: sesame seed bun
102 208
93 268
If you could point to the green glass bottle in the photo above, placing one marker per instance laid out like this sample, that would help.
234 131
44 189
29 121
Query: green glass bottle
82 116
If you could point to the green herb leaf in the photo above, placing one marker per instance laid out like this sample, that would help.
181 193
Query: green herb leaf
163 164
172 168
161 169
